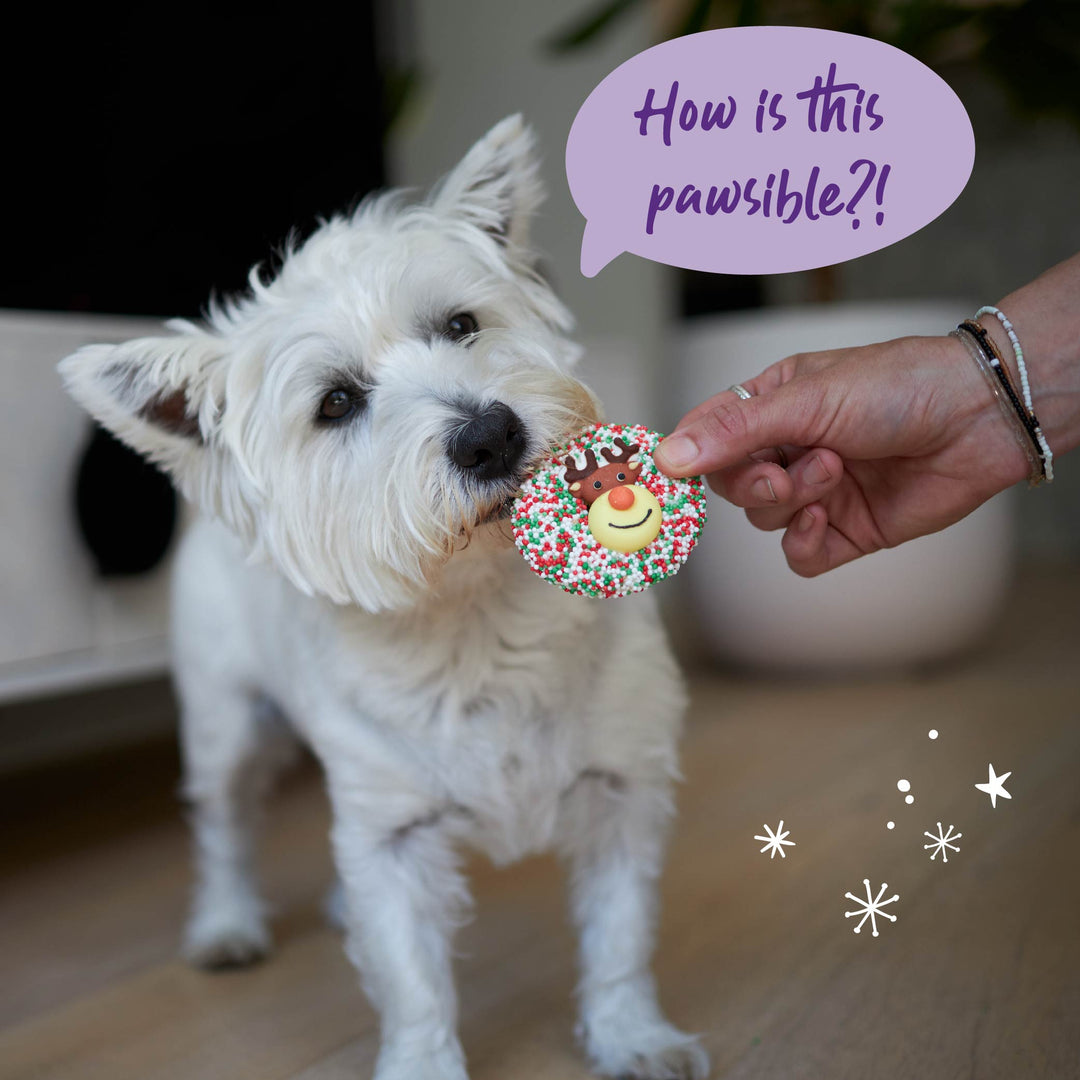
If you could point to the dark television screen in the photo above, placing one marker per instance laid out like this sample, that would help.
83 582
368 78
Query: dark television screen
154 153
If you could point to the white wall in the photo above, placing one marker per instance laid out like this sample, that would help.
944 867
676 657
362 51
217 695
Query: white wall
485 59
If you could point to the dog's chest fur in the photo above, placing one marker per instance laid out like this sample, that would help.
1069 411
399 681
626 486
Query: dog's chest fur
486 691
487 704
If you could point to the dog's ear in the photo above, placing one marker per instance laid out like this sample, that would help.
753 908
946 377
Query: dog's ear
497 184
155 394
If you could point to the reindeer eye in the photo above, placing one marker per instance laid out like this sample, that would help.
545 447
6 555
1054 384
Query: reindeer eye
597 484
461 325
337 405
620 476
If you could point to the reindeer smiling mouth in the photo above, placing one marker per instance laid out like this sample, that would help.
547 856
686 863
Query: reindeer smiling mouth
636 524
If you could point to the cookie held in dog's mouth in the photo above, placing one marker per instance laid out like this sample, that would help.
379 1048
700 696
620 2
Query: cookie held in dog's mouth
597 518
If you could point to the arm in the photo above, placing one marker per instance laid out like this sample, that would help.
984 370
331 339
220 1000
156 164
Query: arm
1046 317
889 441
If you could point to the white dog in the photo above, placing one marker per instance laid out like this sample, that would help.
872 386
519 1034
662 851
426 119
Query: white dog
352 433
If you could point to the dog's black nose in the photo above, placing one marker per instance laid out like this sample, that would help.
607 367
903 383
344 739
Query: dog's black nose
489 443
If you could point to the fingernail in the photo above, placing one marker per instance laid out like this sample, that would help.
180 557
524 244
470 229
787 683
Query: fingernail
676 451
806 521
816 473
763 490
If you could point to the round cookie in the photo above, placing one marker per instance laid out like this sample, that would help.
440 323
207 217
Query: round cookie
643 523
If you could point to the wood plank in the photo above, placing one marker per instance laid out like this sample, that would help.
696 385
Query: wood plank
978 977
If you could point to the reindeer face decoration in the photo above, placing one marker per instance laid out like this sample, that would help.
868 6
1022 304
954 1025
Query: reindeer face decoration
610 527
623 515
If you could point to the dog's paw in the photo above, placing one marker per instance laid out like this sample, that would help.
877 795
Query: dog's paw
659 1052
688 1062
402 1060
226 939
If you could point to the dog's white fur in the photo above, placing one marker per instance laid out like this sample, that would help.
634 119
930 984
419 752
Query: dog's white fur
350 577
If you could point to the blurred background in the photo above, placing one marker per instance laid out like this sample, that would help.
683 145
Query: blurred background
153 158
151 166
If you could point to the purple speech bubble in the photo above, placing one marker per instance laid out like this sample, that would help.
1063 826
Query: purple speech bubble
763 150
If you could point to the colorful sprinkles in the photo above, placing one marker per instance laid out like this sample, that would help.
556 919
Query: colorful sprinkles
551 524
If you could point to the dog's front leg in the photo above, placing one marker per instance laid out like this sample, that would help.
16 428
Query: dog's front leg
404 896
616 858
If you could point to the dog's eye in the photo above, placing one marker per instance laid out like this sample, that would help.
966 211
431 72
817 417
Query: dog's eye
337 405
461 325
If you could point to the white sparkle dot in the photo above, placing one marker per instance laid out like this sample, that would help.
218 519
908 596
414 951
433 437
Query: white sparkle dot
933 733
903 785
909 799
891 825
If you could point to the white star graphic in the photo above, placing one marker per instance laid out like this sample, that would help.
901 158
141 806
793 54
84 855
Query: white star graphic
775 839
993 787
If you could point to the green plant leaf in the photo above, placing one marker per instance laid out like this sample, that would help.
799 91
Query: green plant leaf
399 85
696 17
1034 51
590 26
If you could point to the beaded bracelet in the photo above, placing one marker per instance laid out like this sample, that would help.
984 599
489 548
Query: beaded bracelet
1024 411
1018 352
1024 426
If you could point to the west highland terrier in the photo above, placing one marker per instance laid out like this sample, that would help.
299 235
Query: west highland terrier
352 433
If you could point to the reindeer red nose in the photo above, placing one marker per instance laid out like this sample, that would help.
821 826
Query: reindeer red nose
621 498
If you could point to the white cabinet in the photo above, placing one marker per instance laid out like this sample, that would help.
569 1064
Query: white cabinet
61 625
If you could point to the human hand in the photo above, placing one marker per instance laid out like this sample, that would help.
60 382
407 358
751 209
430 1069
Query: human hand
884 443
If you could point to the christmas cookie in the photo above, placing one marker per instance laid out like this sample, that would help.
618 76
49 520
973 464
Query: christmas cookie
599 519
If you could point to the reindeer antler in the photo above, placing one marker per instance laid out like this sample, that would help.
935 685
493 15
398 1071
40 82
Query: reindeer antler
625 452
573 473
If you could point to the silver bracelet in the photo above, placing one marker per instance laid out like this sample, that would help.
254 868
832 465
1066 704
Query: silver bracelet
1020 432
1018 352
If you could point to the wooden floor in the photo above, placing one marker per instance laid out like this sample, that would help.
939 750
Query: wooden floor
978 977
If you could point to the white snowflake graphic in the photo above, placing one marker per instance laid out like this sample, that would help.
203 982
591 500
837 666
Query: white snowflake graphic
871 906
941 842
775 839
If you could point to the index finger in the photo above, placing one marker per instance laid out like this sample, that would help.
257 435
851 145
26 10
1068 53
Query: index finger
772 377
732 429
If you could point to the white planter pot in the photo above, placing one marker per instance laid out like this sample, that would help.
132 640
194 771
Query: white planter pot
919 602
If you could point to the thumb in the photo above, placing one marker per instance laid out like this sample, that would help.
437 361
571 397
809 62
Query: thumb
732 429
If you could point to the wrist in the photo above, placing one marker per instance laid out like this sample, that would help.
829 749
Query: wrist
1046 318
1053 371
